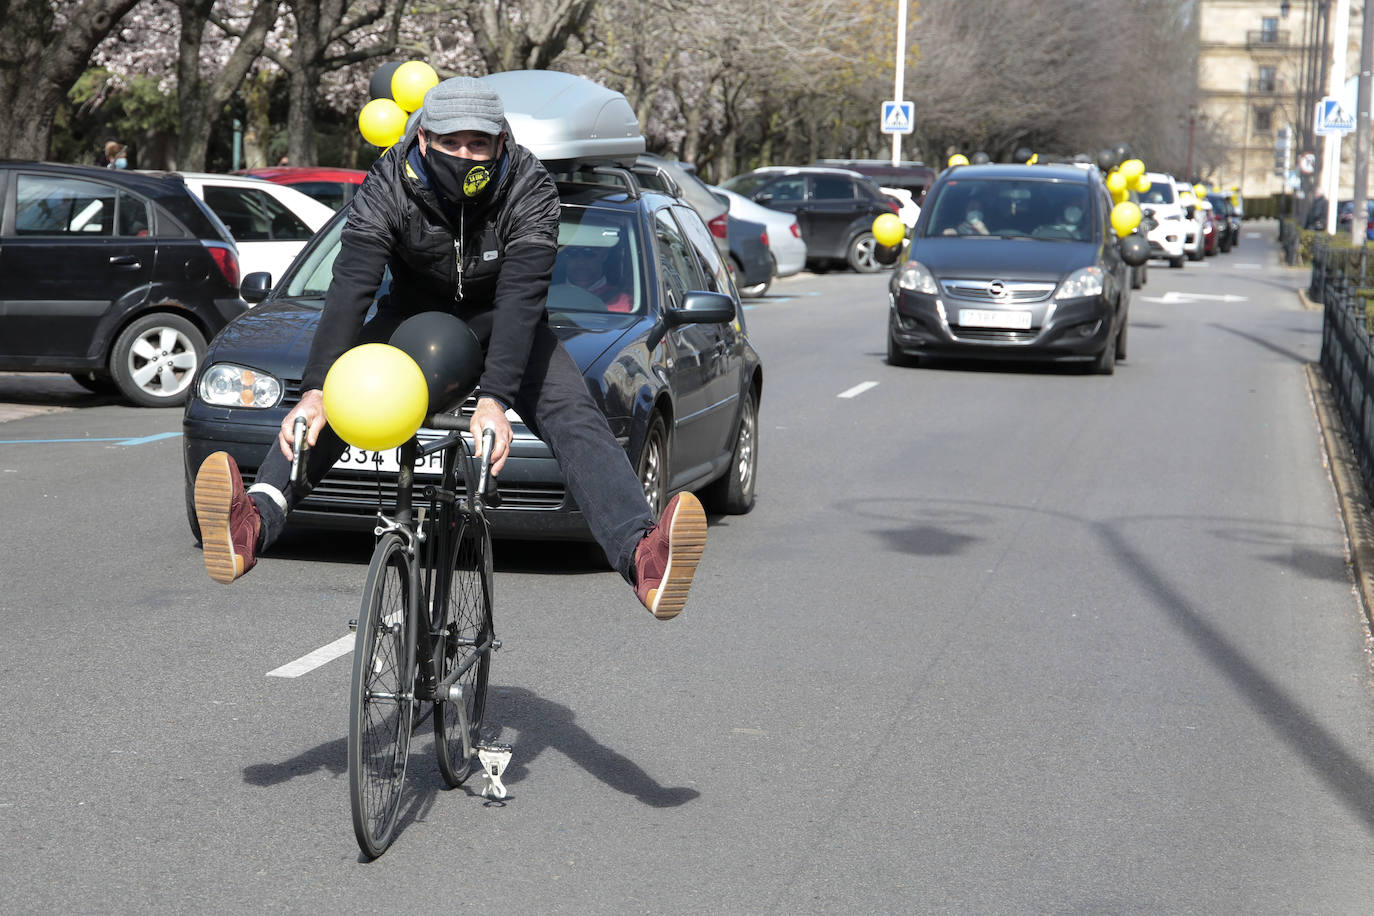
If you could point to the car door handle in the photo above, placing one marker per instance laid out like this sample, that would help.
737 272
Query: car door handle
125 260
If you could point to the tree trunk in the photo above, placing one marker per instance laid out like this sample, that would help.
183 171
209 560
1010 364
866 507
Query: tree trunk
40 61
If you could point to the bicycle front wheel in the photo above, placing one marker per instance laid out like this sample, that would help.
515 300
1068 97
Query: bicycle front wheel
382 706
464 645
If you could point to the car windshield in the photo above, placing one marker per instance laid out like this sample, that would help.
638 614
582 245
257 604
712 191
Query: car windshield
1159 192
598 279
1012 208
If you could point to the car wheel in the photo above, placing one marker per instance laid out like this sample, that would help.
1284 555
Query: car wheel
191 511
862 254
733 493
653 466
1197 255
155 358
1176 262
1105 364
895 355
1121 340
96 382
1136 281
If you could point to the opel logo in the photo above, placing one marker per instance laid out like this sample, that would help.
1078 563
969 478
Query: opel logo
997 289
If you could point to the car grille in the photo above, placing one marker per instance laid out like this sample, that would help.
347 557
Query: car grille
1012 292
992 335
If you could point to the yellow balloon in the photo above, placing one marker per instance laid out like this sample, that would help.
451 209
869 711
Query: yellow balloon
1116 182
375 396
1035 157
1125 218
888 230
958 159
1141 185
1200 190
1132 169
1122 195
382 122
410 82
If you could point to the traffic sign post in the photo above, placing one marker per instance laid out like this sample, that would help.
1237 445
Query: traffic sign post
897 89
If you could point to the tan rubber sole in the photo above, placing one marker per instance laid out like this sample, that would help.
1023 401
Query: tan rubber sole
214 494
686 542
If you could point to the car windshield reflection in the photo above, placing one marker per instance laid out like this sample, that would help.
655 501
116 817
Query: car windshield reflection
998 208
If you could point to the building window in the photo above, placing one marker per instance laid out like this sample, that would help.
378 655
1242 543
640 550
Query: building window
1264 120
1265 83
1269 30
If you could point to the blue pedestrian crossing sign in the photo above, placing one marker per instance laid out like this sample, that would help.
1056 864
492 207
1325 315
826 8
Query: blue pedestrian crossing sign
898 117
1332 118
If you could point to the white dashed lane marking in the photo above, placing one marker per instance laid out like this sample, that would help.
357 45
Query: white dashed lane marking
857 390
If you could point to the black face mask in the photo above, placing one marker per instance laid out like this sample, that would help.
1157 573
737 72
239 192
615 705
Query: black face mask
458 179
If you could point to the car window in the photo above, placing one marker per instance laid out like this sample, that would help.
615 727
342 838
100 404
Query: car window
314 271
793 188
330 193
132 219
676 262
715 277
253 215
52 205
832 187
598 268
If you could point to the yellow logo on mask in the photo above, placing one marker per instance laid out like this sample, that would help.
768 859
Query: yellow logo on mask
476 180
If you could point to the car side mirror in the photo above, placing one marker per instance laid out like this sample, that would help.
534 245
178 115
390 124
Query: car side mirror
763 199
256 286
698 307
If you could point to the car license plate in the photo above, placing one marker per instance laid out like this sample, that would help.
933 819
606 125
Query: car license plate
389 461
995 318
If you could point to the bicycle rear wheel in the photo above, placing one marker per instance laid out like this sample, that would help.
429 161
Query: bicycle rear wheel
464 644
381 710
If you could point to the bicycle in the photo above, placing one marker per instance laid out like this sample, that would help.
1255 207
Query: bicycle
424 631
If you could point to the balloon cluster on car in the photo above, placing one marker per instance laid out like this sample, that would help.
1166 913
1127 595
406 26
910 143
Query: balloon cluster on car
397 89
1125 176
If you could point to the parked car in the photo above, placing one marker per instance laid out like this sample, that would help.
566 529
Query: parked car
835 208
1224 209
658 174
1012 262
118 277
785 244
913 177
332 187
750 264
270 223
1160 202
662 344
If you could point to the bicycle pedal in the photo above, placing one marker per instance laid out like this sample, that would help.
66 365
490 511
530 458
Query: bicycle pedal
494 759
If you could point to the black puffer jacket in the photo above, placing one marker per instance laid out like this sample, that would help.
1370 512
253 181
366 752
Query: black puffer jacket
508 243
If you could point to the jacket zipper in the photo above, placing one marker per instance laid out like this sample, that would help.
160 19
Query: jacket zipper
458 252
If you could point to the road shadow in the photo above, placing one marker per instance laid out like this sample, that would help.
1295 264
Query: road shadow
354 548
41 389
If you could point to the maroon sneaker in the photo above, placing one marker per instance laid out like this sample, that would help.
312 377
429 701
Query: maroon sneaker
229 520
667 557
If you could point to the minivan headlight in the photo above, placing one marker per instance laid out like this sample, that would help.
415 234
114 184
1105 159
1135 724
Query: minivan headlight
1086 281
228 385
916 277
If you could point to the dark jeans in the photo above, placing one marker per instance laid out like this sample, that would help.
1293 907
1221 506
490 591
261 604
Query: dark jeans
556 405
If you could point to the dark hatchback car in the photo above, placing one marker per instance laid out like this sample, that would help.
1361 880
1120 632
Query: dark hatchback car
662 344
116 277
1012 262
834 207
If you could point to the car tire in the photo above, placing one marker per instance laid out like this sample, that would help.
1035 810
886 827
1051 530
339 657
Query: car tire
652 466
154 360
1105 364
1176 263
1136 281
1121 340
96 382
733 493
896 356
862 254
191 516
1199 255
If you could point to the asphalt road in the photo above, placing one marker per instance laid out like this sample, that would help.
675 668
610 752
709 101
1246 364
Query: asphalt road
994 640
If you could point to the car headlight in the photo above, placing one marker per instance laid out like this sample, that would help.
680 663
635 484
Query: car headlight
1086 281
228 385
916 277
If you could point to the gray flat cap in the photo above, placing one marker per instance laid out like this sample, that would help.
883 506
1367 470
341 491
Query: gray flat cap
461 103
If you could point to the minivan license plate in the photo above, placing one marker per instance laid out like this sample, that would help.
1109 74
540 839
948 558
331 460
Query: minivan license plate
995 318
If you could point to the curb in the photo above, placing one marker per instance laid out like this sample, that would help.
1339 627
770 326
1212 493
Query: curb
1351 497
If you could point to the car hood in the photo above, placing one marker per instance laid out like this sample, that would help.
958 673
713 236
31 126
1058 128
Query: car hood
1029 259
275 336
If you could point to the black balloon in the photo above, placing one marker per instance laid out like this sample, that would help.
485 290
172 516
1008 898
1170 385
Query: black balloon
1122 151
981 158
1023 154
1106 160
1135 250
379 87
447 352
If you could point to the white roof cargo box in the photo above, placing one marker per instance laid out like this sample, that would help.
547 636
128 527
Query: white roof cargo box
563 118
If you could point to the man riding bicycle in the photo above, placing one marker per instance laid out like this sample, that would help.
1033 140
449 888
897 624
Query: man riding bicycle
467 221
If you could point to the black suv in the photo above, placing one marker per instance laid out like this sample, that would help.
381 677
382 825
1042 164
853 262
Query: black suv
834 207
117 277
